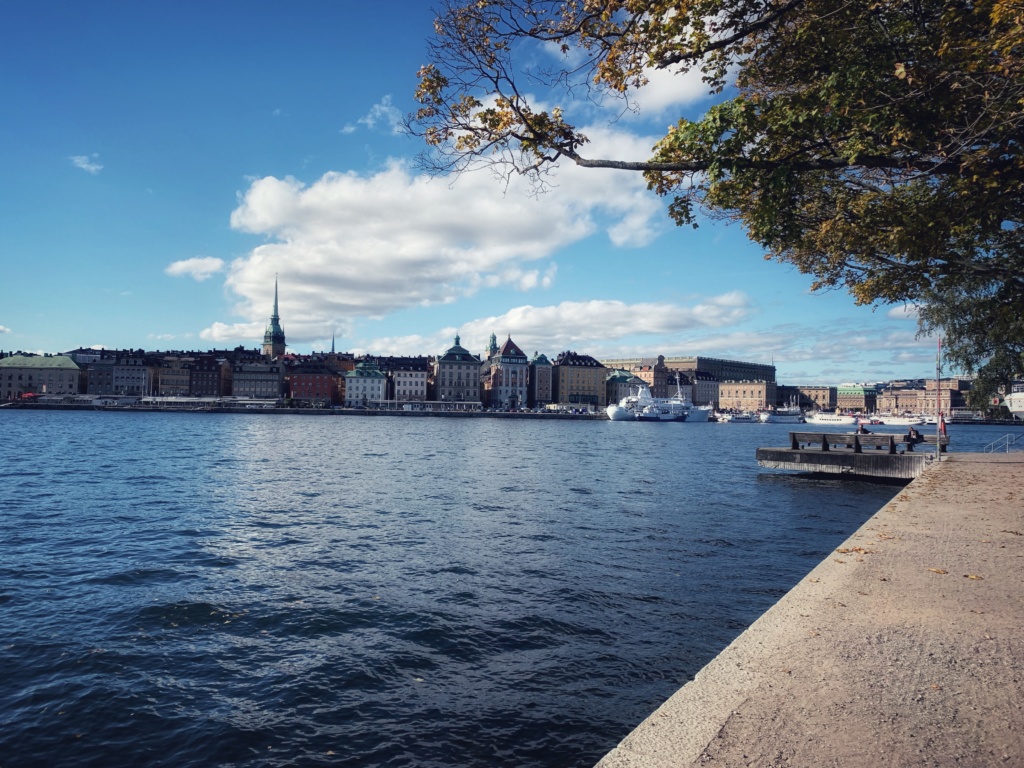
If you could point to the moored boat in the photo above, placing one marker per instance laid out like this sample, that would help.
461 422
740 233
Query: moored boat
1015 401
789 415
901 421
744 417
840 419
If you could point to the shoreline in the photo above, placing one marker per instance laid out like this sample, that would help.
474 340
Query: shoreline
901 648
263 411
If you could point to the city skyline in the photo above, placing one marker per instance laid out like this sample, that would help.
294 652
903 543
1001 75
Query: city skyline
165 161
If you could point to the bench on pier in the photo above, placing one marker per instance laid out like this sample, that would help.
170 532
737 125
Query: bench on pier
942 440
825 441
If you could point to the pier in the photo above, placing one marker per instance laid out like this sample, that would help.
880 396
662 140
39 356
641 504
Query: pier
882 456
902 648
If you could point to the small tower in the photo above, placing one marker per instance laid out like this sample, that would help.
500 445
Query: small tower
273 339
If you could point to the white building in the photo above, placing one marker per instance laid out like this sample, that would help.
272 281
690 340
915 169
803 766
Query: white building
365 385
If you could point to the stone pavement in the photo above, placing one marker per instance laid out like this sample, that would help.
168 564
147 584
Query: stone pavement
905 647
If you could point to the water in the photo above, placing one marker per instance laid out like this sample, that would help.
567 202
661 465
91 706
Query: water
257 590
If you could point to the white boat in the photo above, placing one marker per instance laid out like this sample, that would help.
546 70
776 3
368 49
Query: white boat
901 421
746 417
1015 401
693 412
620 413
641 406
698 412
791 414
830 418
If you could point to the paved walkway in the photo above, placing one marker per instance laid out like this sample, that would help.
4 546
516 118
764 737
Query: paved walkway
905 647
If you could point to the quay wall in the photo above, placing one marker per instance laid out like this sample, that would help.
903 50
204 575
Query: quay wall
903 648
599 416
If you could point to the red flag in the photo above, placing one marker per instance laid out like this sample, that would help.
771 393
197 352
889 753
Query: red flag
942 425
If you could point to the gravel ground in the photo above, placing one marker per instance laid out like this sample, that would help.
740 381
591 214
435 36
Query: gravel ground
903 648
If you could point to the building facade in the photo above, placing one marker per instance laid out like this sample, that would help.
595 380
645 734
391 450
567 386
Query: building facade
211 376
457 375
819 398
175 376
746 395
856 397
22 374
365 385
579 380
263 381
538 389
407 377
504 382
313 384
705 388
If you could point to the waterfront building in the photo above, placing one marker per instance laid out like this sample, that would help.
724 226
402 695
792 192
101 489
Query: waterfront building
720 369
856 397
746 395
211 376
136 374
705 387
124 373
264 381
22 374
653 372
538 381
723 370
365 385
920 396
273 339
312 383
579 380
457 375
820 398
407 377
504 384
175 375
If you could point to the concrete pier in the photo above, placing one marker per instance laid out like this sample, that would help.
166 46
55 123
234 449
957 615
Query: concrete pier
905 647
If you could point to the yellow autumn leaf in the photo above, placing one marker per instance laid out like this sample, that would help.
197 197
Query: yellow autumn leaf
937 570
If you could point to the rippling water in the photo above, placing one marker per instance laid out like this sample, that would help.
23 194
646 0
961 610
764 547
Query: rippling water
213 589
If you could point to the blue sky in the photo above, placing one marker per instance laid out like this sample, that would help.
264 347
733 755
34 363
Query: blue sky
162 161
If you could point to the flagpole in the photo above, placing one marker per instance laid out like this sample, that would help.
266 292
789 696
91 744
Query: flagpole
938 402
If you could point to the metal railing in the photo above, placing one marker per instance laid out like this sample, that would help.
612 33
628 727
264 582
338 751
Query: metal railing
1003 443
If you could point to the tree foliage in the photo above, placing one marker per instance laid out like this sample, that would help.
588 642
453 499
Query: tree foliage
875 145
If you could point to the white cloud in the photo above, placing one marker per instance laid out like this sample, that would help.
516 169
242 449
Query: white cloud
348 246
89 164
903 312
236 332
4 329
590 327
349 128
383 112
198 268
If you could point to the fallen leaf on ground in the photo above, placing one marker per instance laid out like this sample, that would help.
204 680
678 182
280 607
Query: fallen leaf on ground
937 570
974 576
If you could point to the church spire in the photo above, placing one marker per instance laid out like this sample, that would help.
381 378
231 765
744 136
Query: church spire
273 339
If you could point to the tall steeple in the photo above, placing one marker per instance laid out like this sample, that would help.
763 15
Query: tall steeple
273 339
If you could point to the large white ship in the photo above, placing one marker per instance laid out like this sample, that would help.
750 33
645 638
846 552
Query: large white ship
1015 401
641 406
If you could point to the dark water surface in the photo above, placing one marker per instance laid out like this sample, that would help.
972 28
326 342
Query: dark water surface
258 590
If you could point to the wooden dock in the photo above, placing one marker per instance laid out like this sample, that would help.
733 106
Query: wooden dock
889 457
